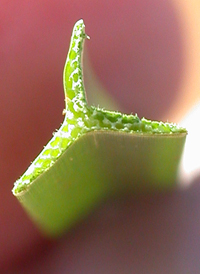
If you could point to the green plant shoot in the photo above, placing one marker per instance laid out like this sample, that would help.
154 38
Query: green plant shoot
95 153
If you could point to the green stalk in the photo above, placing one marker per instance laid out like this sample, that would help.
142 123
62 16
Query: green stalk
95 153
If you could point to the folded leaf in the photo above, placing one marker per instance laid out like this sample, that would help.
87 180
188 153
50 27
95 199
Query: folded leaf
95 153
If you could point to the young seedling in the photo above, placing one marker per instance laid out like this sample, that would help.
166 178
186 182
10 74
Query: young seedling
95 153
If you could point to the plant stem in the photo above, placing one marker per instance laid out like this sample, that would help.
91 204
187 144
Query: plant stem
95 153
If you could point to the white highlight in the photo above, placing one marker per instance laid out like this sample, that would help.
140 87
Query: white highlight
190 164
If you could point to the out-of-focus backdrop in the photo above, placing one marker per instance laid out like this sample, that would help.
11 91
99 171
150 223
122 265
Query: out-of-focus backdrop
144 54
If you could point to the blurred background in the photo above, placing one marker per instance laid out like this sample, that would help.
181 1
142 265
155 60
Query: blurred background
143 54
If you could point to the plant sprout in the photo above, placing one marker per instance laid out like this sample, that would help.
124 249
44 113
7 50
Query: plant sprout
95 153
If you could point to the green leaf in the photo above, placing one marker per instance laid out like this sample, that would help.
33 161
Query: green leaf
95 153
